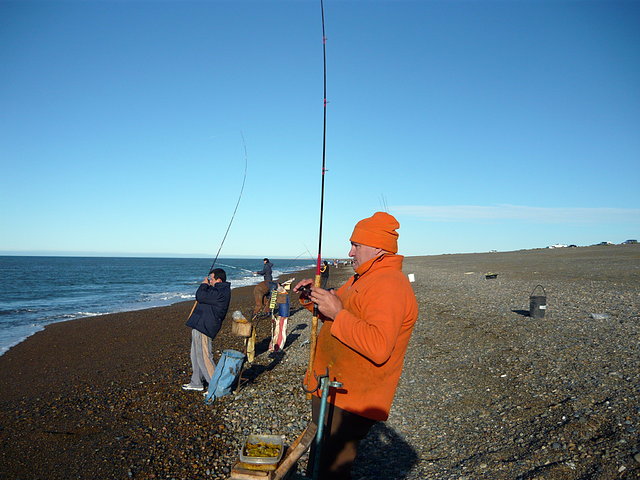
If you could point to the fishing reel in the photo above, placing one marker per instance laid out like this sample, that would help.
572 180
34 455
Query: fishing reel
305 292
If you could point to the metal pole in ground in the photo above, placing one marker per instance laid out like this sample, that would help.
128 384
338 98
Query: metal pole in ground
325 384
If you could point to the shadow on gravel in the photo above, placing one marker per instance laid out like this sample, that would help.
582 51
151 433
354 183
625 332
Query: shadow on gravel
255 370
384 454
524 313
293 310
292 337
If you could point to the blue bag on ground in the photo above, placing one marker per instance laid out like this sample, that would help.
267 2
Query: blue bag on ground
225 375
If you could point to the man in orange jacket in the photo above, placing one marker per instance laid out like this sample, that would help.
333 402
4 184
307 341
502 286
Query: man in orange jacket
363 340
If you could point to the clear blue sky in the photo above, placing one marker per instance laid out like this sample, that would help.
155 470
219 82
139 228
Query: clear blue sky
480 125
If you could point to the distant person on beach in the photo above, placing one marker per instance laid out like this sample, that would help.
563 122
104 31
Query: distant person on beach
261 290
367 325
324 274
212 297
266 271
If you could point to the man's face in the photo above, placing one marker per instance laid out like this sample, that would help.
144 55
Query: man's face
361 254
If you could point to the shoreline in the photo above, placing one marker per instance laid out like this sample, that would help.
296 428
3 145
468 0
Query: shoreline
80 287
127 308
127 329
311 272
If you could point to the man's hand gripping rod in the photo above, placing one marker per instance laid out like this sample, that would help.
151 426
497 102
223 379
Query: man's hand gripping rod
312 346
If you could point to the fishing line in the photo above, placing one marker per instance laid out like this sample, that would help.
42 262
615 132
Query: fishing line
383 203
310 254
244 178
237 268
244 145
292 261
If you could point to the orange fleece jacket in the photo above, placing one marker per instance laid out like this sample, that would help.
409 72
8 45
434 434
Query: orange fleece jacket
365 345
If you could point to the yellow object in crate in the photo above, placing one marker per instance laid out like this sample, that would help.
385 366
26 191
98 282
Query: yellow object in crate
262 449
273 300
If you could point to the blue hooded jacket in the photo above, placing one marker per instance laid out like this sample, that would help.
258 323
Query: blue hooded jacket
213 303
266 271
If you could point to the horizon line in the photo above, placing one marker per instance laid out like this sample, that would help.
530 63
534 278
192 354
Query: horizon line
58 253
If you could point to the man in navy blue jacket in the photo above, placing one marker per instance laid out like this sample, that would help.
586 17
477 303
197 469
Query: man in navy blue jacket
266 271
213 297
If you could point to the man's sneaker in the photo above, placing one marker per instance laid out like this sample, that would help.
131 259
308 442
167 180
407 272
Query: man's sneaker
188 386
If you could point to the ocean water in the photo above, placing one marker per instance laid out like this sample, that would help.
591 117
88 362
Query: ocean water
37 291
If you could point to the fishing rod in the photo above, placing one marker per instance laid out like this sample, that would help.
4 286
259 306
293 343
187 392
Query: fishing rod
244 179
314 321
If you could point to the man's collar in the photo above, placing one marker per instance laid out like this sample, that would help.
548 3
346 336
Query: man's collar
362 269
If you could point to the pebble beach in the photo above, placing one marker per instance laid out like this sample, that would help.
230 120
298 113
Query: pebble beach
487 391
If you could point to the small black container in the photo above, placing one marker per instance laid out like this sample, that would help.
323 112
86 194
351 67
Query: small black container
537 303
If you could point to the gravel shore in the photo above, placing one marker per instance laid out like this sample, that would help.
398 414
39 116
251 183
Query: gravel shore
487 392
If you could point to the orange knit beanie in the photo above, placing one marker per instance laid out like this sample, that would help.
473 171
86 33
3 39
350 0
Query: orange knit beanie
379 230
